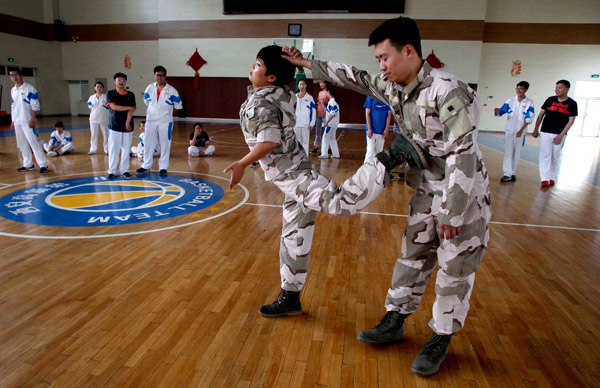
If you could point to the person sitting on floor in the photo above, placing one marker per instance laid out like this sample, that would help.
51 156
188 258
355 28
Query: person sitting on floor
200 142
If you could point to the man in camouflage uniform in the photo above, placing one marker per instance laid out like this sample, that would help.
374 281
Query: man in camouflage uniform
267 119
449 214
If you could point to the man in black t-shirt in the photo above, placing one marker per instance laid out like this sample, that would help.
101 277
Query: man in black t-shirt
558 114
122 105
200 142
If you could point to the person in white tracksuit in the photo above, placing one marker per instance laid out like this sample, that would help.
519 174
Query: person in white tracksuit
60 142
306 113
99 114
520 112
138 150
332 120
24 105
162 99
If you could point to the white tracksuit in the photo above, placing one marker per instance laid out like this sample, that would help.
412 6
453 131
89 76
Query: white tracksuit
329 140
99 116
138 150
306 113
24 99
159 123
56 140
518 113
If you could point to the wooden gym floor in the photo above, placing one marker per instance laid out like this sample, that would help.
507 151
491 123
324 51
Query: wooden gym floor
173 302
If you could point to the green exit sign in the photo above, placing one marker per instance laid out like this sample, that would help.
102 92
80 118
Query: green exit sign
11 59
595 75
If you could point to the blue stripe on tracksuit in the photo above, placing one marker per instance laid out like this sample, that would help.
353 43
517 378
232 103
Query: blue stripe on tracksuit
505 109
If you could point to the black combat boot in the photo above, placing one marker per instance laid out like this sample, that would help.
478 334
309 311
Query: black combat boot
403 150
430 358
287 303
389 330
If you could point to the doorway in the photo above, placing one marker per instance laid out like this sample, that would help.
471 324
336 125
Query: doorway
78 95
587 96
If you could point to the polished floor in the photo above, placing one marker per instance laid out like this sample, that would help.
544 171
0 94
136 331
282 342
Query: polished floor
143 298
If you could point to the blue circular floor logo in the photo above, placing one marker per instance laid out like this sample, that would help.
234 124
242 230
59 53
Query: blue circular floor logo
98 201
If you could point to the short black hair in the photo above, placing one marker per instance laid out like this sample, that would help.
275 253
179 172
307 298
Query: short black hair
400 31
16 69
524 84
98 82
200 124
564 82
160 68
119 75
332 91
59 124
143 122
281 68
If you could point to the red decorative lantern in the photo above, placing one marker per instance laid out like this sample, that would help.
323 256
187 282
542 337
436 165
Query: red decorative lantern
434 61
196 62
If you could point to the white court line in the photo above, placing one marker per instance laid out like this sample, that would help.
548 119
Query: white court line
491 222
532 163
502 152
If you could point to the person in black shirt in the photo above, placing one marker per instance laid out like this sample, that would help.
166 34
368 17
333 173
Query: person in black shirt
122 105
558 114
200 142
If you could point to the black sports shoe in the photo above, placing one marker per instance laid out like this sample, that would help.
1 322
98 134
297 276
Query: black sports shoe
111 176
255 164
163 172
126 174
23 169
389 330
314 151
287 303
43 170
430 358
403 149
505 179
141 170
513 178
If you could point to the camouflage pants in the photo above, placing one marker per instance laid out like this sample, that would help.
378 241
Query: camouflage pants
458 260
308 192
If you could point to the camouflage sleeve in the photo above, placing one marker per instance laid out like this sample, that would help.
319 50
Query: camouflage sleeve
348 77
459 112
264 122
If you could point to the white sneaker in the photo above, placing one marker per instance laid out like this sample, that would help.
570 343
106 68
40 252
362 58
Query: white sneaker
323 156
91 152
52 153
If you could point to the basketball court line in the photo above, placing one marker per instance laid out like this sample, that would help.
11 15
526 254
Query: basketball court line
491 222
242 202
532 163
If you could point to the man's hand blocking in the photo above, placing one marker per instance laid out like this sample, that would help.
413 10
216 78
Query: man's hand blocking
295 57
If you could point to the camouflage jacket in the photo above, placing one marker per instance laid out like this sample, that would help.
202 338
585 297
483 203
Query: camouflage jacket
269 115
440 113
